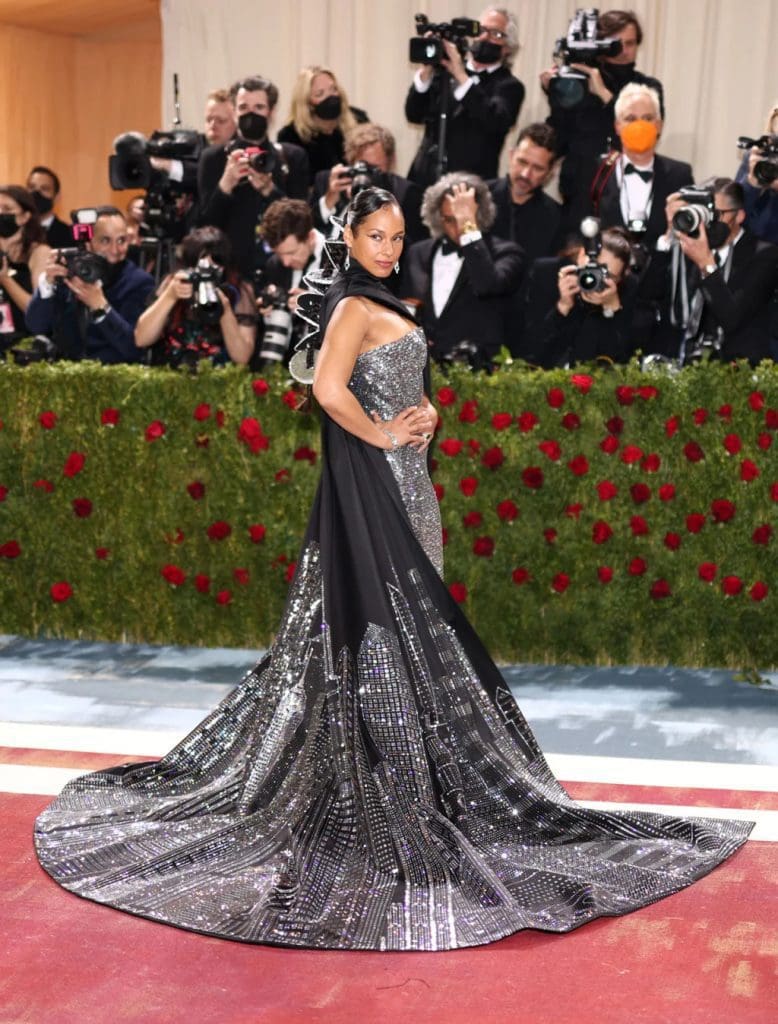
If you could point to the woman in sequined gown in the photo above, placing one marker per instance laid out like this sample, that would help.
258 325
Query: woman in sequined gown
371 783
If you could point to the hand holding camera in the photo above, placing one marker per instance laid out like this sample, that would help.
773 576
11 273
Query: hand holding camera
567 282
178 287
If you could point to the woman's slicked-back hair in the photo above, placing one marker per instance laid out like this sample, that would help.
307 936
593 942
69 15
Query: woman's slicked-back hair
366 203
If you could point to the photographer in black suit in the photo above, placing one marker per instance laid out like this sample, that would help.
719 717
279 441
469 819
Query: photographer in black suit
479 94
373 145
463 279
43 185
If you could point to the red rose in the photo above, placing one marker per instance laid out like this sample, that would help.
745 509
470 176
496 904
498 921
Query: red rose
601 532
44 485
257 533
725 412
771 419
756 401
241 576
731 585
631 453
749 471
605 574
474 446
282 476
292 399
433 464
610 444
695 522
468 485
260 387
202 582
507 511
551 449
625 395
651 463
451 446
560 582
444 536
155 430
483 547
61 591
571 421
582 382
74 464
707 571
250 434
762 534
671 425
732 443
48 420
521 576
502 420
202 411
439 490
647 392
639 526
774 492
224 597
578 465
640 493
574 511
759 591
493 458
607 490
219 530
637 567
102 553
764 441
173 575
109 417
305 454
666 492
722 510
527 421
555 398
532 477
660 589
672 541
11 549
3 493
196 490
469 411
458 591
176 538
550 535
82 507
699 416
446 396
615 425
693 452
472 519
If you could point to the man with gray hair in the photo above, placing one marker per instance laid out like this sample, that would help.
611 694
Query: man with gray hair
463 279
479 96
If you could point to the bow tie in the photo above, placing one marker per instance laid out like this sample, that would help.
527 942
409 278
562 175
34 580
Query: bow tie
447 247
645 175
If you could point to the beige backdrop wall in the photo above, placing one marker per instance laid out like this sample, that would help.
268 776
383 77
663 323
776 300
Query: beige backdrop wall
716 58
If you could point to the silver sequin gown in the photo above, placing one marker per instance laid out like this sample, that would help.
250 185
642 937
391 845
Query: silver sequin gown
371 783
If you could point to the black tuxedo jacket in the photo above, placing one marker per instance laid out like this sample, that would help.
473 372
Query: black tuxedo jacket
477 124
478 309
543 216
59 235
407 193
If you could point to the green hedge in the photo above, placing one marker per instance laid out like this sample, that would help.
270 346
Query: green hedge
164 507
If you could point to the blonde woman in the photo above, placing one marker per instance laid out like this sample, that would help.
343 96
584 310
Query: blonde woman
320 118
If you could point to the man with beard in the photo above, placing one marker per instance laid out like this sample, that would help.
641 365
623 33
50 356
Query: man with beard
93 319
234 192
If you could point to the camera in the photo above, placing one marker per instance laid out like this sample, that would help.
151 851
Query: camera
77 259
699 208
277 321
205 304
430 50
130 166
593 276
364 175
262 159
581 45
766 169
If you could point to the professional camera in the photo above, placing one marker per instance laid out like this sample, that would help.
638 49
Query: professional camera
262 159
581 45
593 276
205 304
130 166
766 169
430 50
77 259
277 320
364 175
699 208
40 350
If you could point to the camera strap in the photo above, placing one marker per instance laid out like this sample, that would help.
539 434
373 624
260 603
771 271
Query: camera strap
601 178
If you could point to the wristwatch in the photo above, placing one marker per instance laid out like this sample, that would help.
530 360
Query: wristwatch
709 268
98 315
468 227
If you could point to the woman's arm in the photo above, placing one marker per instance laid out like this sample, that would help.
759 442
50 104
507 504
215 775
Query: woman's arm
238 338
334 366
151 322
37 264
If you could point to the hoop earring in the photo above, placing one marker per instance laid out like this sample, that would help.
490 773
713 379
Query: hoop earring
397 267
347 261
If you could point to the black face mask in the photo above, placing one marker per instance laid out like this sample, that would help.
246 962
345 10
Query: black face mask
718 232
485 52
43 204
110 272
329 109
252 126
8 225
618 73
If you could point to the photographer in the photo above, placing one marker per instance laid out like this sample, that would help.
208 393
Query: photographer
92 319
373 146
43 185
758 174
480 96
238 181
463 278
584 124
23 254
203 310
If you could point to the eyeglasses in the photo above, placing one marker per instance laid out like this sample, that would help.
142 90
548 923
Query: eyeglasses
493 33
730 209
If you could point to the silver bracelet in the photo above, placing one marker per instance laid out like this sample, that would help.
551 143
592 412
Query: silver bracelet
392 437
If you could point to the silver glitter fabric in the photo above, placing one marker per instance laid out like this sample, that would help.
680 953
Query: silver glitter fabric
387 380
382 794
